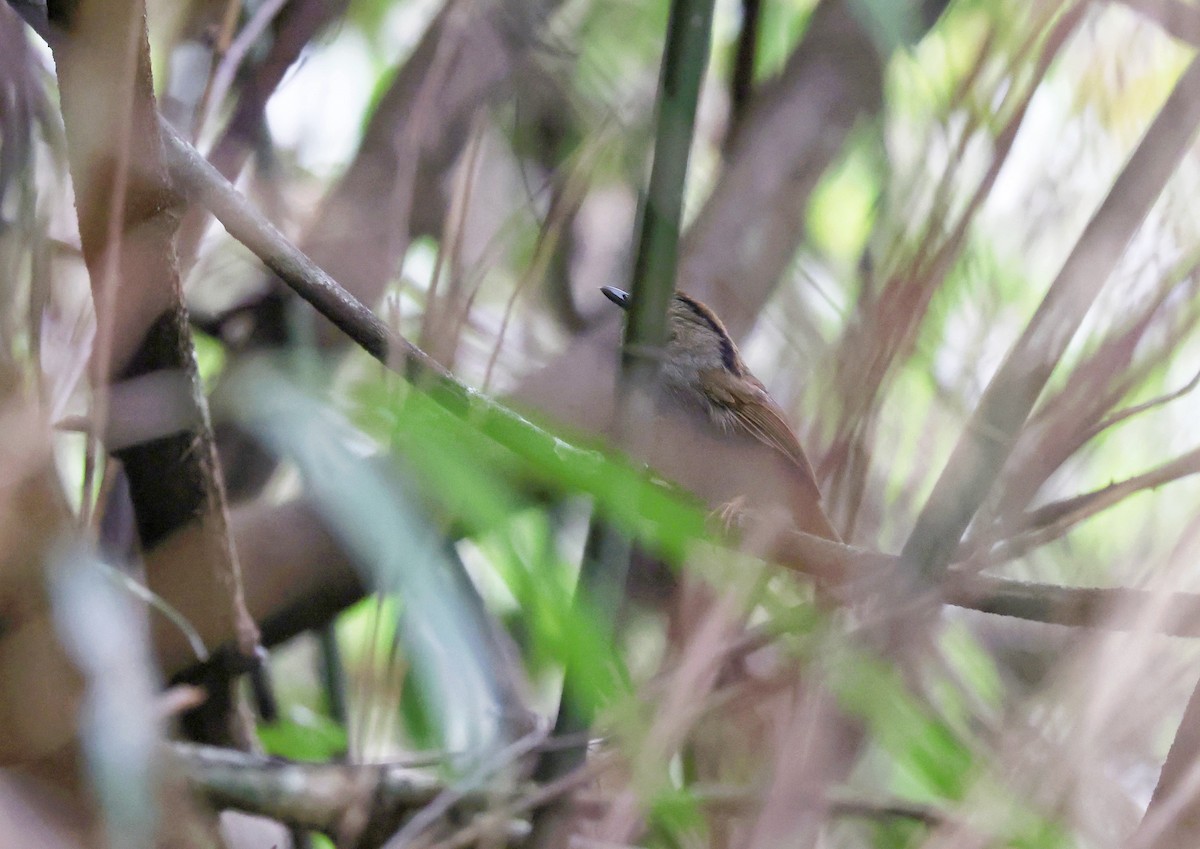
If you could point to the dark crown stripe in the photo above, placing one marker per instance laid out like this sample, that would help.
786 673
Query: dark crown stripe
729 355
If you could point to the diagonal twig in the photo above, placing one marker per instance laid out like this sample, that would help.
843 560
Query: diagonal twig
1052 521
1137 409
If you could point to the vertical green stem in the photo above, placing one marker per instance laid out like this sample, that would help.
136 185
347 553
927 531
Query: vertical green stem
689 33
606 558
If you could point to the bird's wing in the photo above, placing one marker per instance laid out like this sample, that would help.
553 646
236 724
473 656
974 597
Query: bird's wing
758 413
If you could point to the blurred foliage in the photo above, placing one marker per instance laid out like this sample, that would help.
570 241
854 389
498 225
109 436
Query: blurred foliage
902 188
102 629
467 468
210 357
782 25
929 761
458 705
841 214
303 736
966 191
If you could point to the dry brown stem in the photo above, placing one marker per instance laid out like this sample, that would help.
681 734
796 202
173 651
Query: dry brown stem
128 214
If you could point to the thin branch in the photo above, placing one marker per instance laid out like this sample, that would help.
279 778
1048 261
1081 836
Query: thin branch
869 572
536 798
1178 19
204 184
452 797
152 600
298 22
568 186
1052 521
731 801
444 315
1065 419
221 45
1137 409
892 320
319 796
309 796
465 59
231 58
1107 608
1173 815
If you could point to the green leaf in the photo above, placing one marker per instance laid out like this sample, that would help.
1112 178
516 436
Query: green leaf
303 736
929 761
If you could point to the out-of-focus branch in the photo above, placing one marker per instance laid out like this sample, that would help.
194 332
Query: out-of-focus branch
1079 409
1052 521
1137 409
796 124
296 25
128 215
393 188
319 797
40 689
1179 19
890 317
76 689
1081 607
323 797
1106 608
993 428
1173 815
741 83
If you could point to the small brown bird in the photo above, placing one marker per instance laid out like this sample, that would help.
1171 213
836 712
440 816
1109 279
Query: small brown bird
728 408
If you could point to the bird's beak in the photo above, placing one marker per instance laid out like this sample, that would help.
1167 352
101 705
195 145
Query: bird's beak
618 296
